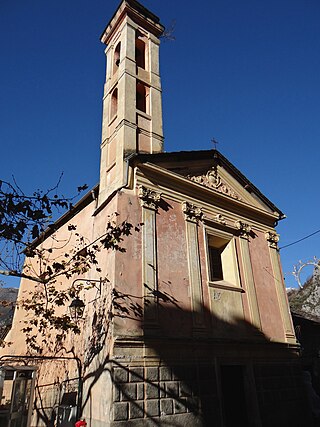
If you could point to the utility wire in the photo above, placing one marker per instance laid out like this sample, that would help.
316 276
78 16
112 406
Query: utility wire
300 240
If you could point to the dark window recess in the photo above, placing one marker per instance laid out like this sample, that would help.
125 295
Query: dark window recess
141 103
140 52
216 272
114 103
69 399
117 56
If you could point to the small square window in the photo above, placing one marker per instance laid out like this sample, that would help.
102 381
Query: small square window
215 250
222 259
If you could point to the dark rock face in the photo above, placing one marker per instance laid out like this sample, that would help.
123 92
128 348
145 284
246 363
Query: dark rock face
8 297
307 299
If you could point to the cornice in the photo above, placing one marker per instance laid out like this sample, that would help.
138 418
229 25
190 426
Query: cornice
177 187
193 158
139 15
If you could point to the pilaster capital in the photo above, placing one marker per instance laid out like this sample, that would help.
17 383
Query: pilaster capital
148 198
244 229
272 238
220 219
191 212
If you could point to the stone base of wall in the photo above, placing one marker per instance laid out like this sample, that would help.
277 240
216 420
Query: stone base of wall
185 420
192 395
175 393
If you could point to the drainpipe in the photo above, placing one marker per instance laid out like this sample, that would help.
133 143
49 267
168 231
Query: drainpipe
124 185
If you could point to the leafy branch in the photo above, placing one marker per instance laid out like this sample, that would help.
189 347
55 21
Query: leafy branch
28 252
23 218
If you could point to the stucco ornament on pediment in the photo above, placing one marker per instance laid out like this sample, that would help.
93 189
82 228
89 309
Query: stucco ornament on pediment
212 180
272 238
191 212
149 198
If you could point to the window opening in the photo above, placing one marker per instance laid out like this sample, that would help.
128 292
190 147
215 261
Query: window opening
15 396
216 272
116 57
141 97
140 52
114 103
216 247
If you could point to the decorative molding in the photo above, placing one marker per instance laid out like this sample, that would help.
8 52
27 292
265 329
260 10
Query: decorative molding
220 219
191 212
148 198
212 180
222 284
263 219
244 229
192 215
273 238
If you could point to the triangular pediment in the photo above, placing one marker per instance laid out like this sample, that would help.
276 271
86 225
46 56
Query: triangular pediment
212 171
213 179
219 179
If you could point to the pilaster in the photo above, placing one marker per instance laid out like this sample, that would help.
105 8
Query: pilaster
273 238
193 215
149 201
244 234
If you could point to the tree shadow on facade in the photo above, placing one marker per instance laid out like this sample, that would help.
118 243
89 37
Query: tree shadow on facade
175 373
223 374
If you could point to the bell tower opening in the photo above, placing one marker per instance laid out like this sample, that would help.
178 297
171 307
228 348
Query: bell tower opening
140 50
114 104
142 98
116 57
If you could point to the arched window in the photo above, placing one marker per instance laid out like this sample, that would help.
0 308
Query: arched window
114 103
116 57
141 97
140 50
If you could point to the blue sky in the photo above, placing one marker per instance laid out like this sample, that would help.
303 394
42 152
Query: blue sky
245 72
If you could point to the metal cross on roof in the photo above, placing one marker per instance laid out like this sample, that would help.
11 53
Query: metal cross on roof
214 142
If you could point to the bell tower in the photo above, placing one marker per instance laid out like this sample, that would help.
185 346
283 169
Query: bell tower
132 110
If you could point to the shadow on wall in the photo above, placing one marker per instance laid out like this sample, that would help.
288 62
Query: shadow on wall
227 374
223 374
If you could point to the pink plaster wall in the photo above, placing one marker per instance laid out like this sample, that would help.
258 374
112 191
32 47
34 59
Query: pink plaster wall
267 298
128 269
124 272
173 277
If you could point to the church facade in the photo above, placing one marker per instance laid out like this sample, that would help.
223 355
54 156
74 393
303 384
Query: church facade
192 326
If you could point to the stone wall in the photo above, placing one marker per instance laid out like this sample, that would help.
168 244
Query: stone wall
177 394
187 395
